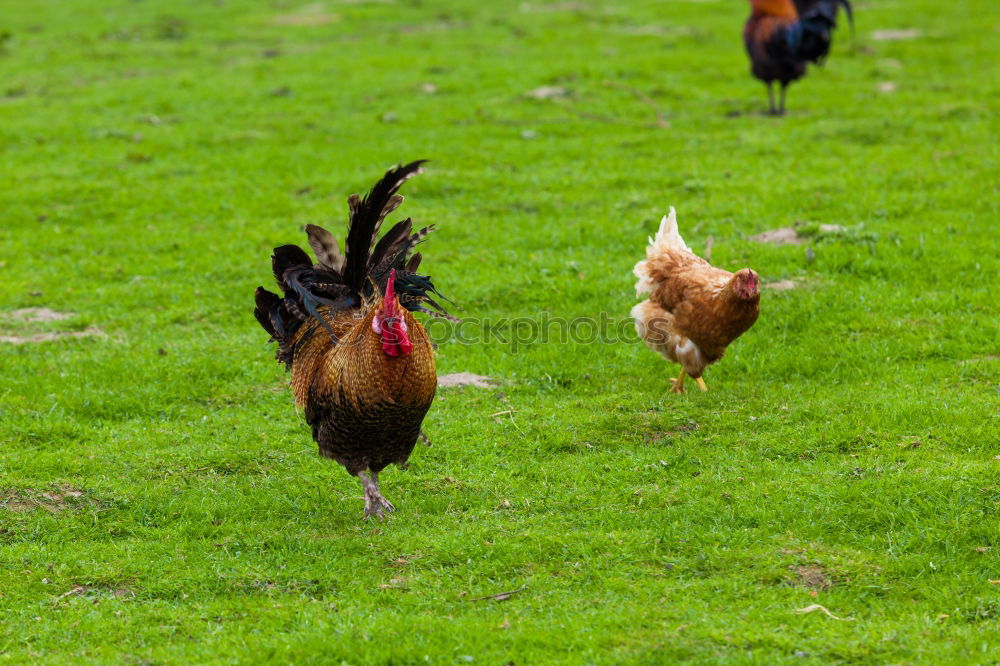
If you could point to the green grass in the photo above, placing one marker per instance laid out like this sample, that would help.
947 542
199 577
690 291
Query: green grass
846 454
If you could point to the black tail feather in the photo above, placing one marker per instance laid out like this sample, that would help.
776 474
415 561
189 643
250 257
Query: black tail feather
366 217
817 19
285 258
389 246
850 14
265 301
345 281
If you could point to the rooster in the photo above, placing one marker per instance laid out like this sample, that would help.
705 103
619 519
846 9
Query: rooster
362 366
694 310
780 39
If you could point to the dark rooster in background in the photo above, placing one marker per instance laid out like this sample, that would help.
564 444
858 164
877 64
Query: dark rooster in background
362 366
781 37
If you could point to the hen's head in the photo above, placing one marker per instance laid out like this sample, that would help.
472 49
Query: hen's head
746 285
390 324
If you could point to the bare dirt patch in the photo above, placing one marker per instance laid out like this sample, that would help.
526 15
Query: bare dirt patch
783 236
981 359
314 14
894 35
659 30
50 336
554 7
20 335
810 576
466 379
789 236
38 314
547 92
678 430
98 591
52 500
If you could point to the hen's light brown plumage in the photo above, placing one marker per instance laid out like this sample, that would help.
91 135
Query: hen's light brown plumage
362 365
694 310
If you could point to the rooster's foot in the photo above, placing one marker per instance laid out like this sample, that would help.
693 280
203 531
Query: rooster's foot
375 504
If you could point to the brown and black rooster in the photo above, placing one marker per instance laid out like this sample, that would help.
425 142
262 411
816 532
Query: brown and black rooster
781 37
362 366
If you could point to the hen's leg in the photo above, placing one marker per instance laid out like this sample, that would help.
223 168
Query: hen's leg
701 384
678 383
374 502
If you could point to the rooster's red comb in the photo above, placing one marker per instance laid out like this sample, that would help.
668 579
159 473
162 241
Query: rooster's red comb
390 291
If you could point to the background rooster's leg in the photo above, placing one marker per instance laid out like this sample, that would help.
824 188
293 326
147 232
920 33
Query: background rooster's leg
770 98
701 384
781 105
678 382
424 438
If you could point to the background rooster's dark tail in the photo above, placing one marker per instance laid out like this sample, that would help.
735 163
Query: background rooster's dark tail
817 19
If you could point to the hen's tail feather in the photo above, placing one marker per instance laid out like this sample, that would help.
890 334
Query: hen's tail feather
668 238
366 218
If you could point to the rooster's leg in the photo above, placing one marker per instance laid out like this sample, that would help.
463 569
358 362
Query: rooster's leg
386 504
770 98
678 383
701 384
781 106
374 502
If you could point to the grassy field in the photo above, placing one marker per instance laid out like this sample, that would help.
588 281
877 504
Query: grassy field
161 501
